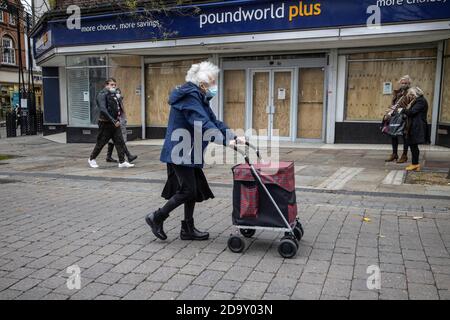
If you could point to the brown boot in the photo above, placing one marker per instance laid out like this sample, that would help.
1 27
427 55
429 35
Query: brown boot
403 158
393 157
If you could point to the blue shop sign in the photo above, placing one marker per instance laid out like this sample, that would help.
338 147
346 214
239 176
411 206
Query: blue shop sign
236 17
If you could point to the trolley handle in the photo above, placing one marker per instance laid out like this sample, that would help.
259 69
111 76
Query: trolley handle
254 148
251 146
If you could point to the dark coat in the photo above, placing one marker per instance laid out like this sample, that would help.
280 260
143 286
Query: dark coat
417 116
107 106
188 105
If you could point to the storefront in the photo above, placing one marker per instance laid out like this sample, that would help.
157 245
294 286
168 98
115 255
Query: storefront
301 71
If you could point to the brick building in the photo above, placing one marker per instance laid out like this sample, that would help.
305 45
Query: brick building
11 41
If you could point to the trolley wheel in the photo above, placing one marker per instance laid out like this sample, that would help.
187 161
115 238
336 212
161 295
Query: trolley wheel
288 247
248 233
298 231
236 244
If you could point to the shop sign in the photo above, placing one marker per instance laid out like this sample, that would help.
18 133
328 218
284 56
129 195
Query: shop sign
237 17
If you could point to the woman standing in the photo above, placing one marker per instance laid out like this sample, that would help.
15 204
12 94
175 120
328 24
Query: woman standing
417 128
190 118
399 100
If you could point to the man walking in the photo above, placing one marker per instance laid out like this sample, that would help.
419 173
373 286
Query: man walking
118 98
109 125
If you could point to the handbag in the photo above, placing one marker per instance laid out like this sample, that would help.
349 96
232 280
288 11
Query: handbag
396 125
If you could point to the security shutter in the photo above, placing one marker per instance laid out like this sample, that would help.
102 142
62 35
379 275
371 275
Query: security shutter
78 83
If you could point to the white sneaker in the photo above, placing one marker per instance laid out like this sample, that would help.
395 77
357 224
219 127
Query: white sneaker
93 163
126 165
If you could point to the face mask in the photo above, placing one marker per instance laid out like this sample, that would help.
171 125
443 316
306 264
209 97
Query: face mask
118 95
213 91
404 87
112 90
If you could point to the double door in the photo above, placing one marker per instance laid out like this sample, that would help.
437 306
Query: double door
287 103
271 104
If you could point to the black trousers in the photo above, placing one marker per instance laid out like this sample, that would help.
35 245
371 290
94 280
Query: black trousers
395 145
186 193
108 131
415 153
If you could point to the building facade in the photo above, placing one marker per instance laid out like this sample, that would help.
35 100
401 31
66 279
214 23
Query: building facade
319 71
14 46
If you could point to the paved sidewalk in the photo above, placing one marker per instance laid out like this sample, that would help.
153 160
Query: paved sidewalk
328 169
55 213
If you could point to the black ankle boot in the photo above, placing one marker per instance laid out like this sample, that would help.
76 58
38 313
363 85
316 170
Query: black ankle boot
130 157
189 232
155 220
109 157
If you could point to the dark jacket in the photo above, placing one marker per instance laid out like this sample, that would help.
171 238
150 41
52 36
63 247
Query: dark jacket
417 116
188 105
107 106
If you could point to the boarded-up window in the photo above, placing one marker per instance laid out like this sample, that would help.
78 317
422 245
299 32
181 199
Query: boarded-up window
127 72
445 104
161 79
367 73
234 98
310 103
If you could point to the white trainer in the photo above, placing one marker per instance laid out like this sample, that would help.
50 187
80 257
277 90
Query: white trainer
126 165
93 163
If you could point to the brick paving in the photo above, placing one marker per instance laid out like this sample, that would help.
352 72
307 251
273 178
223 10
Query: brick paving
55 213
50 224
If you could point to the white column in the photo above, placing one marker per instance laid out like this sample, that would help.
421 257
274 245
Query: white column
143 95
215 102
437 92
63 94
341 87
331 93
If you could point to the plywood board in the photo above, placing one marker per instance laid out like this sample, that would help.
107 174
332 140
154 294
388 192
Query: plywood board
129 81
365 99
234 98
395 54
282 89
125 61
445 101
310 103
260 101
161 79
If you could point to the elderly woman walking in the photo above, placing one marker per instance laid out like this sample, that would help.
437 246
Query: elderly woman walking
190 118
417 126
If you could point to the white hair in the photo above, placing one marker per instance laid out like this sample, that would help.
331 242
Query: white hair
407 78
204 72
416 92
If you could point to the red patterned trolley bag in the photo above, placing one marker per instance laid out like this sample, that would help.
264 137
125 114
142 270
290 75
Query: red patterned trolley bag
264 199
252 207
